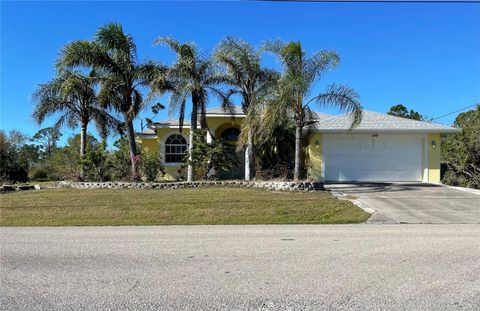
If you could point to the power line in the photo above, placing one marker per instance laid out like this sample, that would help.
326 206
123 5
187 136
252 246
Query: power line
455 111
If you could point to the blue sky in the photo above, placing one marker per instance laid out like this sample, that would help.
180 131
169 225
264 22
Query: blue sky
425 56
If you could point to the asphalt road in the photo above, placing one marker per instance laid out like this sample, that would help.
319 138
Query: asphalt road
345 267
413 203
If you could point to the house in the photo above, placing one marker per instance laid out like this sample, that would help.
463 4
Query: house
381 148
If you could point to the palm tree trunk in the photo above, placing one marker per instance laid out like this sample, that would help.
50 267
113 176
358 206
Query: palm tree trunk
193 129
190 168
83 148
298 144
249 161
132 147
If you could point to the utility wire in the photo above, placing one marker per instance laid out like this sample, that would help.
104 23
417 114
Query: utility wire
454 112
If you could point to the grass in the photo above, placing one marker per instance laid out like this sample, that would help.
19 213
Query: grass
99 207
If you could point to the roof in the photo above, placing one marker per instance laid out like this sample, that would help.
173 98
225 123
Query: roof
320 116
371 122
146 133
170 122
212 112
379 122
219 111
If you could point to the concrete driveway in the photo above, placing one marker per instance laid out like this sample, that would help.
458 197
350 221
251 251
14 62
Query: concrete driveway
265 267
412 202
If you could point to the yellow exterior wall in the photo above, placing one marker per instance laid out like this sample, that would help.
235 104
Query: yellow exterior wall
434 158
156 143
218 124
314 149
148 144
315 157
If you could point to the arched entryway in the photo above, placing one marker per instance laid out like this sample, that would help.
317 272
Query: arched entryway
230 134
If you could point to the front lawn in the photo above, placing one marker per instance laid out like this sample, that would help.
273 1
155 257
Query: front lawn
82 207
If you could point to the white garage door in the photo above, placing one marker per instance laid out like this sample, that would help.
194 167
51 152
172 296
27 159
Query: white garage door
367 158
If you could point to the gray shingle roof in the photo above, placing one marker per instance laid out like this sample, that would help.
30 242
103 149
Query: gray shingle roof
171 122
379 122
371 122
236 110
320 116
148 132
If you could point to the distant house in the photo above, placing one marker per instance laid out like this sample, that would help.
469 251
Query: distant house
382 148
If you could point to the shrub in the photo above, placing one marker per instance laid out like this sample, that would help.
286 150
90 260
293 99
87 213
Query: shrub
97 164
151 169
212 159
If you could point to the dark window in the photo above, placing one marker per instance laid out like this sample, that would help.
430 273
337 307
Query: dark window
175 148
231 134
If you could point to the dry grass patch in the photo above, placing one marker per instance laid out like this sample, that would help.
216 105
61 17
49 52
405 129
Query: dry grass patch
82 207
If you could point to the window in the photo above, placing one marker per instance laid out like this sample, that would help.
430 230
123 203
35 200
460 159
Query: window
231 134
175 148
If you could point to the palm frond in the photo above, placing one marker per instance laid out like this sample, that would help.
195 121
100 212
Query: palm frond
85 53
152 73
169 42
112 37
344 98
319 63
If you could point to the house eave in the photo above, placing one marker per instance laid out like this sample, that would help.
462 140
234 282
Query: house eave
389 131
222 115
150 136
168 126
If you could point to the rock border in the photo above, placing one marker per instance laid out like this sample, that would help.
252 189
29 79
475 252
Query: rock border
11 188
269 185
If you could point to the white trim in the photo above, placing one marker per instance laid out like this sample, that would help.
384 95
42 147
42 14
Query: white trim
152 136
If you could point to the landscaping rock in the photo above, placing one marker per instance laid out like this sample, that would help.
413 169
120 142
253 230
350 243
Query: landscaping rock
269 185
8 188
25 187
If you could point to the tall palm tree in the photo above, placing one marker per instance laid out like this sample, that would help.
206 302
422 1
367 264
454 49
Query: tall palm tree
114 55
246 77
72 95
300 74
191 76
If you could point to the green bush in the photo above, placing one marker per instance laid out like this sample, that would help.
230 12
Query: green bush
97 164
461 151
212 159
39 173
151 169
13 168
120 160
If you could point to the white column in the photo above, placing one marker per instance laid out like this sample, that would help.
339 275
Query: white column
209 137
425 158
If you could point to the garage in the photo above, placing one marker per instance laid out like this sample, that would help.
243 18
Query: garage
373 157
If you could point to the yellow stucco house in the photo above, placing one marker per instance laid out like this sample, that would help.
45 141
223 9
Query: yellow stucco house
381 148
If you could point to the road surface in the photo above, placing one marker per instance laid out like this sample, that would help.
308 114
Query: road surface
266 267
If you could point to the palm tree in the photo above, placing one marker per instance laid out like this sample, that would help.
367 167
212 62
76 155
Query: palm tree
114 55
248 79
190 76
300 74
72 94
